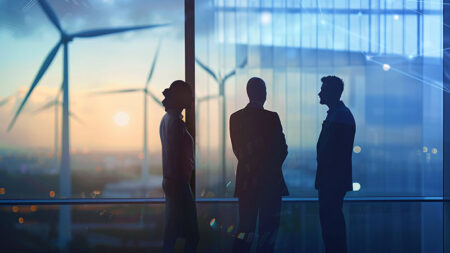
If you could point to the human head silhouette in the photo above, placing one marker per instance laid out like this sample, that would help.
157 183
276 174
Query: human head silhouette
331 90
256 90
178 96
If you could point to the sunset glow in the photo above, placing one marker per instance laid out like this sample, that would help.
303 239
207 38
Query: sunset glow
121 119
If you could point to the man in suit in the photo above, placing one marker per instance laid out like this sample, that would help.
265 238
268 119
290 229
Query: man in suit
260 147
334 164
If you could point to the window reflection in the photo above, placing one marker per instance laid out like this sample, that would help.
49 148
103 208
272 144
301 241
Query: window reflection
138 228
389 56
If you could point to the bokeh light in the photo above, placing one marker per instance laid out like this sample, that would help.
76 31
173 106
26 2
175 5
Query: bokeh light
357 149
212 222
266 18
356 186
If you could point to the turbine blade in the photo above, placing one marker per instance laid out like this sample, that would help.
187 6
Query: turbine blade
233 72
208 70
106 31
116 91
48 105
153 65
5 100
76 118
51 14
156 99
244 63
38 77
203 99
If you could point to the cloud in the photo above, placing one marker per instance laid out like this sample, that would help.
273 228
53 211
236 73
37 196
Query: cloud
24 17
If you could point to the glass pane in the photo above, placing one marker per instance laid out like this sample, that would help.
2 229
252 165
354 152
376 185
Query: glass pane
393 89
107 157
402 227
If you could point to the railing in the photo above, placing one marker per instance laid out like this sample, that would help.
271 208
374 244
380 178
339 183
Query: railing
102 201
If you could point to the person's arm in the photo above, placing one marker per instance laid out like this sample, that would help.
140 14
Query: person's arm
278 149
235 136
344 135
174 143
280 146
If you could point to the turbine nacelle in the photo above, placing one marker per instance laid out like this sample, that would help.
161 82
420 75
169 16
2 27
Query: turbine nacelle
66 38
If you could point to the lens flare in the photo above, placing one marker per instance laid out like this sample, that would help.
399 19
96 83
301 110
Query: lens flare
212 222
356 186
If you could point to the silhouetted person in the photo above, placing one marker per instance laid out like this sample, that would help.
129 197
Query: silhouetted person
334 164
260 147
178 164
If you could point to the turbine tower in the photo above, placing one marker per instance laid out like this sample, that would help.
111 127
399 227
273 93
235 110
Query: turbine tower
56 104
221 81
146 92
66 38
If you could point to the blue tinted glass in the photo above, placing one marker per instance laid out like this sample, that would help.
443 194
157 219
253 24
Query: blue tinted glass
341 32
432 5
355 33
432 36
390 88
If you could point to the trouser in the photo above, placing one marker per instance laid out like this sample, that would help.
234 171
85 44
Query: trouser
332 221
180 216
269 221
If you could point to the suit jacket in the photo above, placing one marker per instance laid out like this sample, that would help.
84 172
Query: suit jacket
260 147
334 150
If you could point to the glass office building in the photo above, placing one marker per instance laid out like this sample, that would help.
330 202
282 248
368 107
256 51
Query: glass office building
390 54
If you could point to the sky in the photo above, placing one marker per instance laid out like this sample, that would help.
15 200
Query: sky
95 64
119 61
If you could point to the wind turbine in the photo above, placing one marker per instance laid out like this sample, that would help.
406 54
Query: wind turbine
5 100
221 81
146 92
15 96
56 104
66 38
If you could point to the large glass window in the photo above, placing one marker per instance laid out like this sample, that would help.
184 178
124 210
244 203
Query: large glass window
107 154
389 54
139 228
